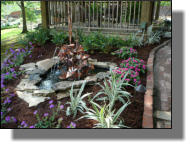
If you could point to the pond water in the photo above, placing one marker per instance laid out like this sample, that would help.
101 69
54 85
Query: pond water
50 78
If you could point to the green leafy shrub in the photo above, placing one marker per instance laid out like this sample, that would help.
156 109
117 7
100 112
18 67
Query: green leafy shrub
76 104
104 117
59 38
39 37
113 42
95 41
126 52
79 35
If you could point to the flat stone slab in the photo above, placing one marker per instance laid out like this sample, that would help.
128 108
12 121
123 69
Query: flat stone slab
102 64
27 84
35 71
43 92
28 67
163 115
30 99
64 85
47 63
63 94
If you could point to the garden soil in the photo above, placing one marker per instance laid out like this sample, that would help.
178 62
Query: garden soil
131 116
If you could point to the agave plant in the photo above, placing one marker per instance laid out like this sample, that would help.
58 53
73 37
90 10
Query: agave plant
113 88
77 104
153 38
134 40
104 117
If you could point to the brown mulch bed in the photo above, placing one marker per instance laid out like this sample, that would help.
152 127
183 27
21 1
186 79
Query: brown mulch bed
132 115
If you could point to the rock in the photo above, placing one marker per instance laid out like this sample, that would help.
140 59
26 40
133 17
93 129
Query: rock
63 94
28 67
27 84
101 75
91 79
43 92
30 99
47 63
92 60
167 35
164 115
64 85
35 78
36 71
140 88
103 64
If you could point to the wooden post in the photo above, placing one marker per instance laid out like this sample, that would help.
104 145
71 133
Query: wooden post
147 12
44 12
69 23
157 10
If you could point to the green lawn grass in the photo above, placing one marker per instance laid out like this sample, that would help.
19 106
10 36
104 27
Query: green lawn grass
9 33
9 39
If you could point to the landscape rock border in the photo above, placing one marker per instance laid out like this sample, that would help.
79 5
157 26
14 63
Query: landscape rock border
29 91
148 97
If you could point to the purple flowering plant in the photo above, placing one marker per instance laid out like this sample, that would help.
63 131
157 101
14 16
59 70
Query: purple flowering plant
72 125
47 120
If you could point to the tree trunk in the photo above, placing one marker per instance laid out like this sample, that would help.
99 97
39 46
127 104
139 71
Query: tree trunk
24 29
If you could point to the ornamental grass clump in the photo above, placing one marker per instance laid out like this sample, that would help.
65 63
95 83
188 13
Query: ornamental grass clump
76 104
113 89
104 117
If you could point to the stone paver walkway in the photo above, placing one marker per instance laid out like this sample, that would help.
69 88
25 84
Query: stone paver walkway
162 88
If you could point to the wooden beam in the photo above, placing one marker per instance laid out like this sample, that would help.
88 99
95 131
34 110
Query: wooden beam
157 10
44 12
147 12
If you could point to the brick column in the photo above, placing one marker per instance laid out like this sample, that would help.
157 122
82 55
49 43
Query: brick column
44 12
147 12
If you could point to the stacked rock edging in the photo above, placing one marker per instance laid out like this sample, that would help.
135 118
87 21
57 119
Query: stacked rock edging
28 90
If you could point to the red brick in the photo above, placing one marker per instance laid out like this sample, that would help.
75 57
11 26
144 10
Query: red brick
148 100
147 122
149 92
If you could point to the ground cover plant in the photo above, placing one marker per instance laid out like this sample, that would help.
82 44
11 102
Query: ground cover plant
113 111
